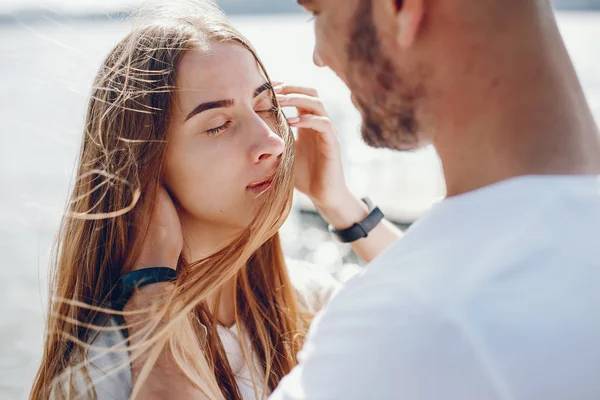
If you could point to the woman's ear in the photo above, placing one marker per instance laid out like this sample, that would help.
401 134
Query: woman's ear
409 17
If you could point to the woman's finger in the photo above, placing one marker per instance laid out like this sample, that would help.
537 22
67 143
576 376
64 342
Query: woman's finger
284 88
309 103
314 122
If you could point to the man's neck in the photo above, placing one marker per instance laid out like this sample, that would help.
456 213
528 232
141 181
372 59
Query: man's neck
514 108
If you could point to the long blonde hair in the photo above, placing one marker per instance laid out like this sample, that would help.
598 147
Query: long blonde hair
120 166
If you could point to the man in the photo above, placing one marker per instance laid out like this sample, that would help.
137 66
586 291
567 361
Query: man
493 294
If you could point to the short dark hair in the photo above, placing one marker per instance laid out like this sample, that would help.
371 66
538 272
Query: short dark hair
399 4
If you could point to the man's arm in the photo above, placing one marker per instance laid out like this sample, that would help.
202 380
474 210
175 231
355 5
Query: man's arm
351 210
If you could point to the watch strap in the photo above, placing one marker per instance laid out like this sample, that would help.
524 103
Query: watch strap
130 282
360 229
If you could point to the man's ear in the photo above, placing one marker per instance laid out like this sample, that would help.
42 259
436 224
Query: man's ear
409 17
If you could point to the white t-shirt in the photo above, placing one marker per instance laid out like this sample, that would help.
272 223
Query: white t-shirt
110 372
494 294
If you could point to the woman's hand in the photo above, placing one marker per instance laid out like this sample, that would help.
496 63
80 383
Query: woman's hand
163 241
162 246
319 172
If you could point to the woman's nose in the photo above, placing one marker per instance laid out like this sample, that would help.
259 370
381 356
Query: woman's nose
267 145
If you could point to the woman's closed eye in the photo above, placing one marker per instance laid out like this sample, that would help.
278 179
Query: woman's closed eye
218 129
270 110
266 106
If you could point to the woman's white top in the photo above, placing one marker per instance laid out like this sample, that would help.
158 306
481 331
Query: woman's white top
110 372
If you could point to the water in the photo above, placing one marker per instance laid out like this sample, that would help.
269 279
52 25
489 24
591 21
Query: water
46 69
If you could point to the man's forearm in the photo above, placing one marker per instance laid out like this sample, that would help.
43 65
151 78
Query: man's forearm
352 210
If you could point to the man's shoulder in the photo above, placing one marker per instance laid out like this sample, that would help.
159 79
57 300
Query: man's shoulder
431 269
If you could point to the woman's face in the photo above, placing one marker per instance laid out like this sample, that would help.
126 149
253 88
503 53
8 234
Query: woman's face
223 145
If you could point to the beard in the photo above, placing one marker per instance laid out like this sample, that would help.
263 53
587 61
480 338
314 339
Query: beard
386 102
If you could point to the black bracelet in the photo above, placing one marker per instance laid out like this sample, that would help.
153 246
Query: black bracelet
132 281
360 229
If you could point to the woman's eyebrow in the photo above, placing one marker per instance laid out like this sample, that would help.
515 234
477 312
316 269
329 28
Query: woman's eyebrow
210 106
224 103
265 86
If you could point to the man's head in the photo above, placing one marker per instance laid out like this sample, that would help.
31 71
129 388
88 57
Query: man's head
404 60
358 39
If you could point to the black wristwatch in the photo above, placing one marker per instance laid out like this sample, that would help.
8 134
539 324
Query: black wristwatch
132 281
360 229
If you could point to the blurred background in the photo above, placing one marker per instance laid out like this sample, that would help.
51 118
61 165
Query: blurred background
49 53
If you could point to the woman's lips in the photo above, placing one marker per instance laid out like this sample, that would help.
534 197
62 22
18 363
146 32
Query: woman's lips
261 187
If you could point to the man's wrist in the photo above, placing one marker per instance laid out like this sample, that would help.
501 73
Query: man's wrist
347 211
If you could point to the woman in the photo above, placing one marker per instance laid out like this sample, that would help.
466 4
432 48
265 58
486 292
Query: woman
188 163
